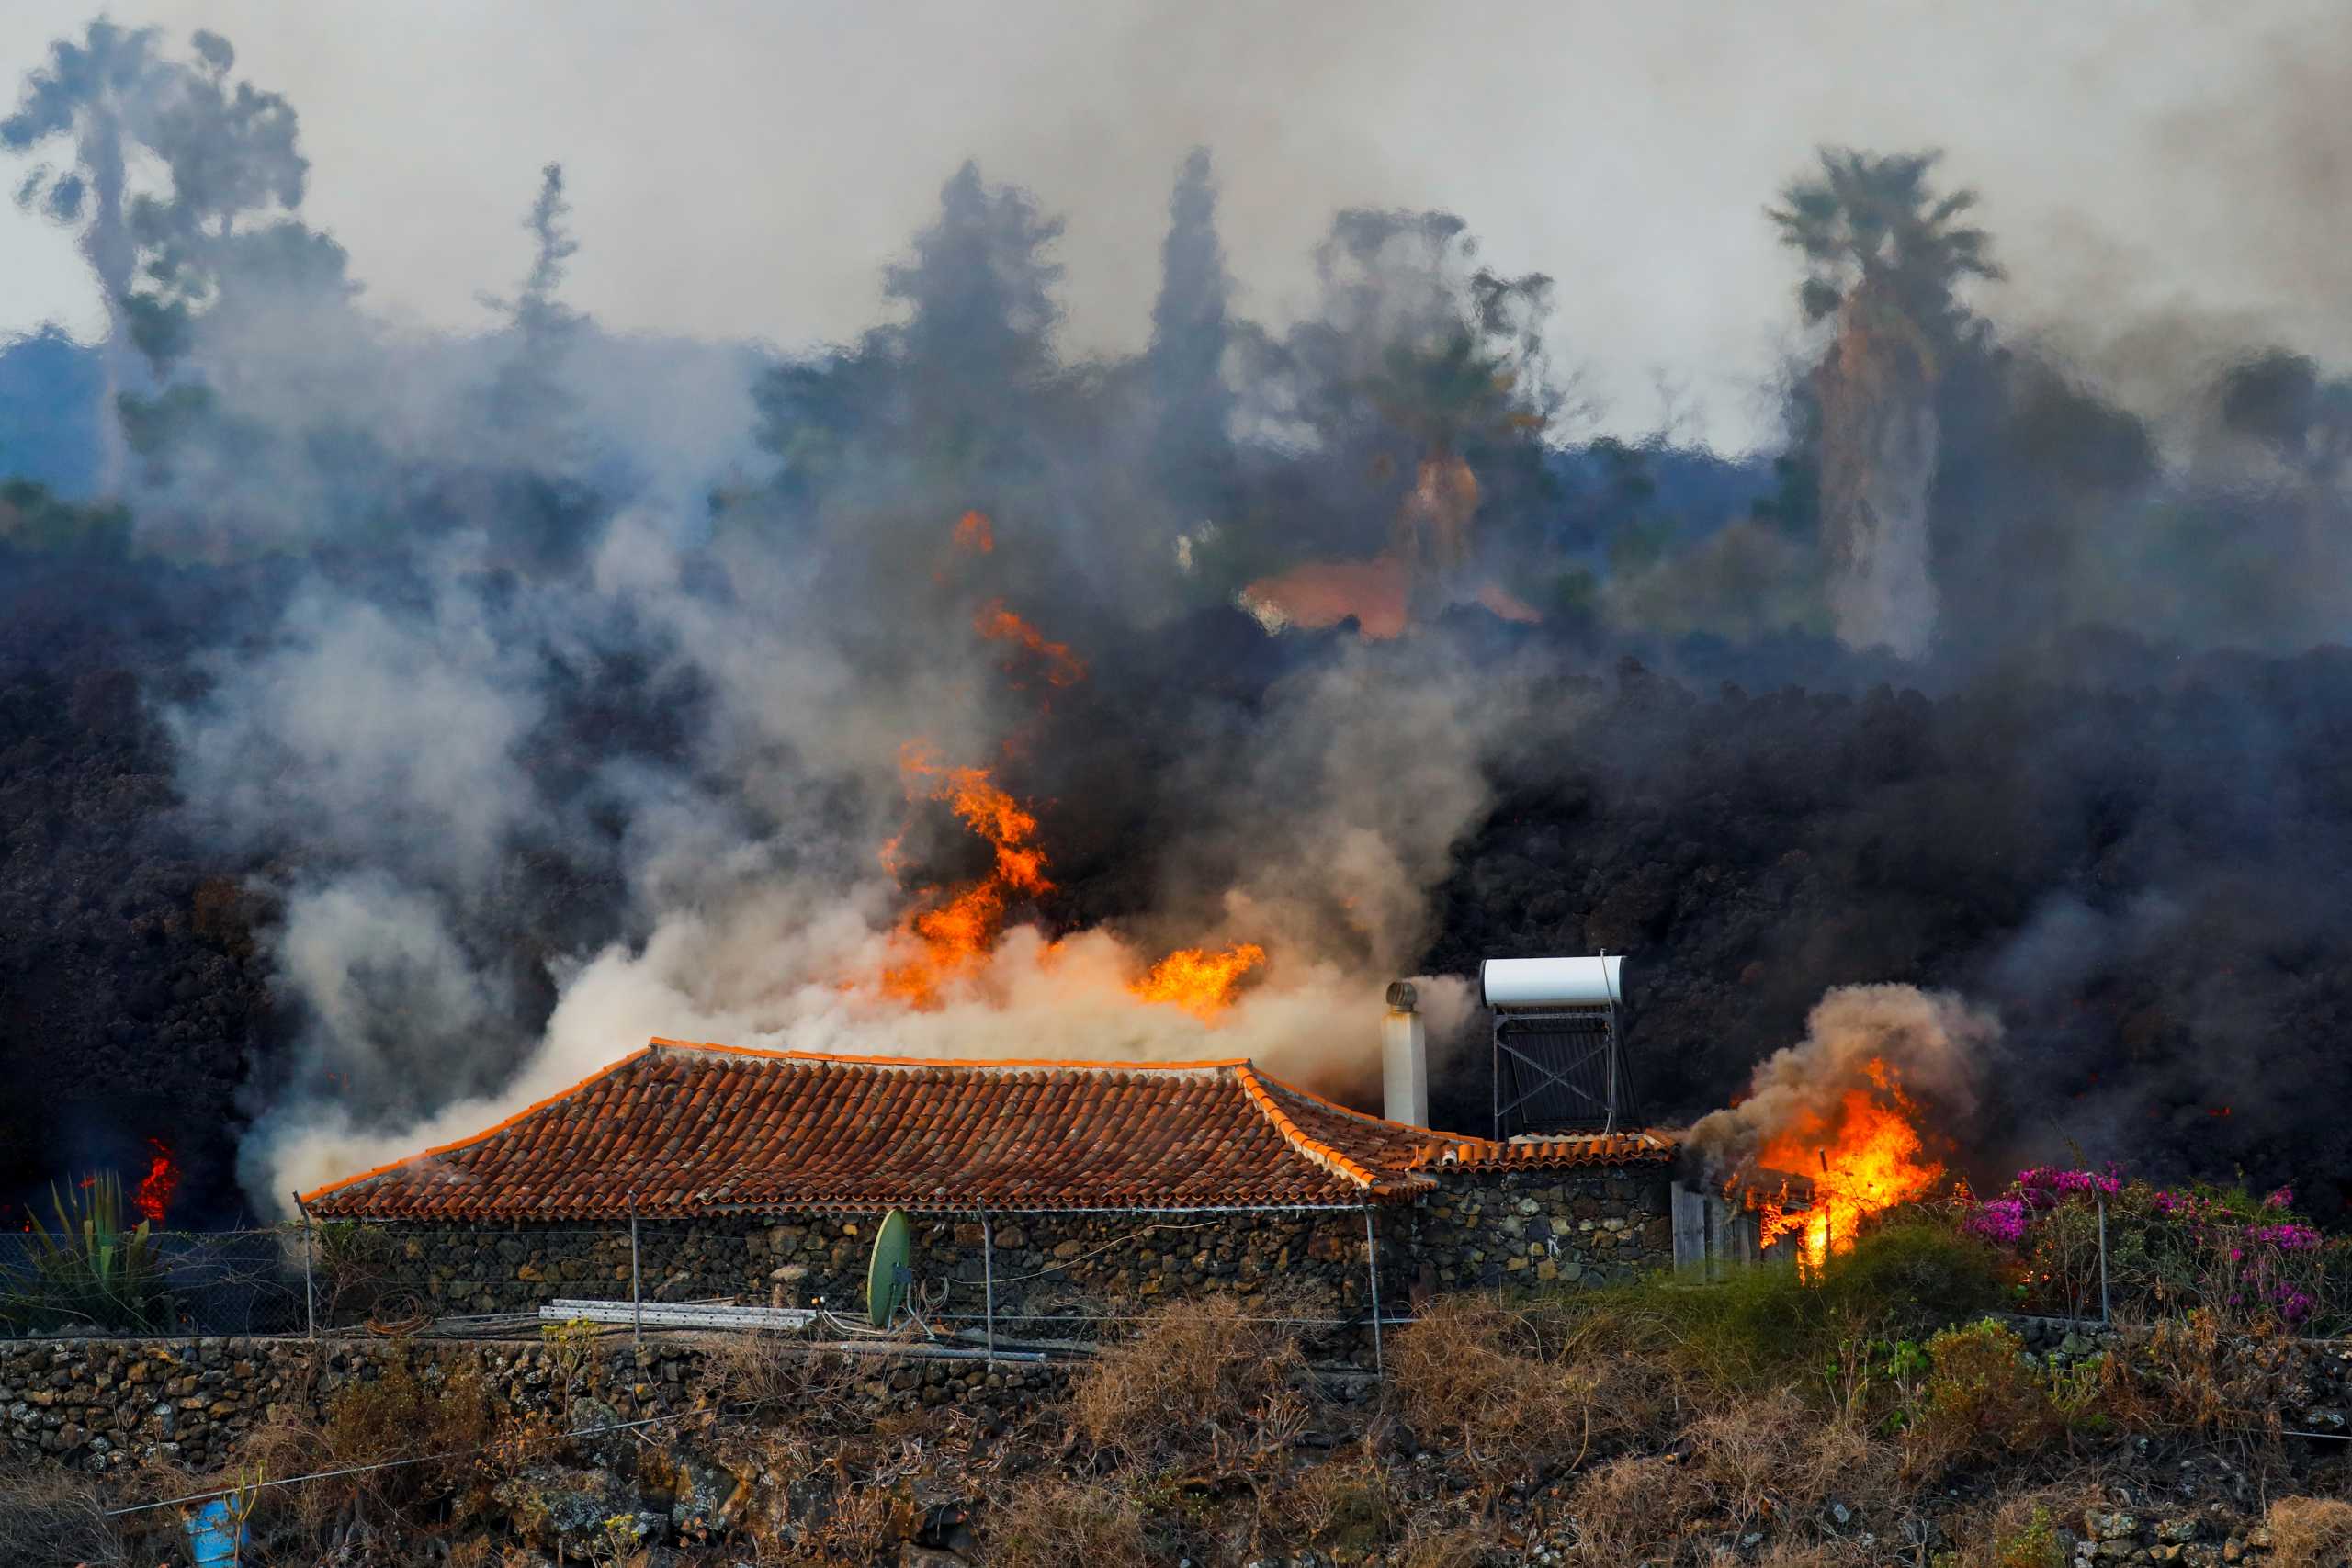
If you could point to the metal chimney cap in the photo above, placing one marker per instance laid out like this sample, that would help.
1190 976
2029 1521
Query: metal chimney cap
1402 998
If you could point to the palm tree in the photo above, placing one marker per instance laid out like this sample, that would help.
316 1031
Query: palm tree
1885 256
95 94
1870 224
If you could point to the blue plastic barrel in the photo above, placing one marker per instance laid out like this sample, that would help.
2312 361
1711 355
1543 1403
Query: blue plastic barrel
216 1536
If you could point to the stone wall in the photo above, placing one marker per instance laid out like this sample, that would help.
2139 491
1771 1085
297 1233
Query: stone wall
95 1404
1493 1229
1056 1276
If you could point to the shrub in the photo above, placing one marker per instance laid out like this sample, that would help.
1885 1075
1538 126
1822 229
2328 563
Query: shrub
1197 1372
397 1414
88 1271
1055 1523
1909 1277
1982 1398
2194 1374
1767 1327
1481 1379
2169 1251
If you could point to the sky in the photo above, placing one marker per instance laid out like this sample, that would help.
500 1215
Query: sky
744 170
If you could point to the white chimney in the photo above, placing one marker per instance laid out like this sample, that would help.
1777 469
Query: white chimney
1404 1058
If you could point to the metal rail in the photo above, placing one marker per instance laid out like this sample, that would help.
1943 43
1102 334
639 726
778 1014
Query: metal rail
786 1320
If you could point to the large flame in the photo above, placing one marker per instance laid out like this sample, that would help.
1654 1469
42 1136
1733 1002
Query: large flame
953 931
1862 1158
1201 982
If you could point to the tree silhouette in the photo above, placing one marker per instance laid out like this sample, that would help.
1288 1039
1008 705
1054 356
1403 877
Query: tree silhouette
1871 224
97 95
1884 255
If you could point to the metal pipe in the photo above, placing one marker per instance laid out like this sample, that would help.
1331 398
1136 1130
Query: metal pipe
636 1291
1372 1266
309 1293
1494 1081
988 1279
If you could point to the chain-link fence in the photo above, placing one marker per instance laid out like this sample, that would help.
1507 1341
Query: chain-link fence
343 1278
203 1282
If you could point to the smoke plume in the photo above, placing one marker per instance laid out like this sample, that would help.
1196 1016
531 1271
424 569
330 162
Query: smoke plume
440 714
1879 1041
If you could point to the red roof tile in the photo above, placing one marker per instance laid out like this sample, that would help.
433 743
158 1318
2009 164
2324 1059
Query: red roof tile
685 1129
1566 1151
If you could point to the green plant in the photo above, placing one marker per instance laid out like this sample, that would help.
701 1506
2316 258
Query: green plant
89 1270
2034 1546
1982 1397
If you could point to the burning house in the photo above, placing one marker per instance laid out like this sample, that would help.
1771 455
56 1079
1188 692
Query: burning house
1053 1190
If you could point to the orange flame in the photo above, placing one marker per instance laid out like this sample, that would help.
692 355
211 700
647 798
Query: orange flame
951 937
1201 982
974 533
155 1194
1863 1158
997 624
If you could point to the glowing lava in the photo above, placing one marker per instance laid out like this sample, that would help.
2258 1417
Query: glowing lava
1862 1158
956 932
1201 982
155 1194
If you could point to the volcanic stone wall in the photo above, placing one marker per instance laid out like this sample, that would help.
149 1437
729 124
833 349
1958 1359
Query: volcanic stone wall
1053 1272
1059 1276
1486 1228
98 1403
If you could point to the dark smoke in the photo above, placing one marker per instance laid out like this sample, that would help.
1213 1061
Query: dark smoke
435 718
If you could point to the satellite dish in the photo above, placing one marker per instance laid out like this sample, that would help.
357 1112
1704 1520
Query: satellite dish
888 1276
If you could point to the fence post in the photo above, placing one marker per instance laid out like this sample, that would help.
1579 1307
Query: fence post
1372 1268
2103 1317
988 1280
635 1292
309 1293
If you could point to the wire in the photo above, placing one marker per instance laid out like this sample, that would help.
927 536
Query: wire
1064 1263
396 1463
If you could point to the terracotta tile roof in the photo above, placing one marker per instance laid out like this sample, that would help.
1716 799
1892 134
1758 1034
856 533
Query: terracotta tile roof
694 1129
1566 1151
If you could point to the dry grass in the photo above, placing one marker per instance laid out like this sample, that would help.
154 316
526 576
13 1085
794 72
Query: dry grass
397 1415
1346 1506
772 1375
2194 1376
1052 1522
2309 1532
1435 1544
1198 1378
1760 1461
1620 1511
1478 1377
52 1518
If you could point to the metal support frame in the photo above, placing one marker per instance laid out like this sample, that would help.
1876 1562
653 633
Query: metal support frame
1372 1268
309 1293
988 1279
636 1291
1547 1075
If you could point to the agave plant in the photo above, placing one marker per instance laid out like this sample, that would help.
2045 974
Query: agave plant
89 1271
